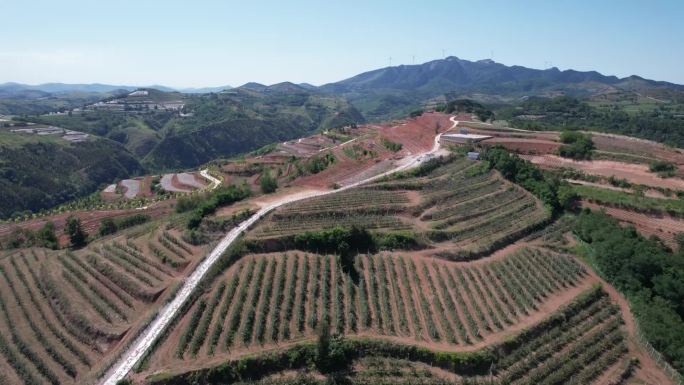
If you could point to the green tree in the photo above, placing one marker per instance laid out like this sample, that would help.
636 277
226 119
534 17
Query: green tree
566 196
74 229
47 237
331 355
576 145
323 346
267 182
107 227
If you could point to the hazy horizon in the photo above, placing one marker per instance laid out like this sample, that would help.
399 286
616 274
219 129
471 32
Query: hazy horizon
211 44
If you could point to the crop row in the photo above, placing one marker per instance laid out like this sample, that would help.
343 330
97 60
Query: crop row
572 346
277 298
463 216
478 203
47 337
346 200
276 227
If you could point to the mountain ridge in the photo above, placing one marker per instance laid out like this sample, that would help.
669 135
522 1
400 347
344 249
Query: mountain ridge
60 88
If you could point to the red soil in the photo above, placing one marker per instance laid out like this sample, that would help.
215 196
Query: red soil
635 173
641 147
90 219
418 134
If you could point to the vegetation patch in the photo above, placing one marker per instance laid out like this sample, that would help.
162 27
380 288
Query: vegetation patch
648 273
663 168
630 201
576 145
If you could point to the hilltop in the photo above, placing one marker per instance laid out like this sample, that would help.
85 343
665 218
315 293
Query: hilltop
395 90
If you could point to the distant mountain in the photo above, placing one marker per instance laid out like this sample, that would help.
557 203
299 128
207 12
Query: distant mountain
57 88
203 90
284 87
308 86
253 86
12 89
392 90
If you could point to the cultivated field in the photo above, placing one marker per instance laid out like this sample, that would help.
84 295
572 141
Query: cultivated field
453 205
581 342
65 315
274 299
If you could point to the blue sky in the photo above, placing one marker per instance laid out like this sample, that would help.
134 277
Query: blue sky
210 43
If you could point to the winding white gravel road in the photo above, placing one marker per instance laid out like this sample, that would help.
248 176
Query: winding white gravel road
166 314
215 181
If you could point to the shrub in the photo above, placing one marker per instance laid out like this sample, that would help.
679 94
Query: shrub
107 226
316 164
392 146
267 182
214 200
46 236
576 145
663 168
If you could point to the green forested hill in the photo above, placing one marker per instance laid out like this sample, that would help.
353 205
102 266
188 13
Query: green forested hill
239 121
213 125
38 172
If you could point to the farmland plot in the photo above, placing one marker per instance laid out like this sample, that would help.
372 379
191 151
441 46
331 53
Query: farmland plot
272 299
477 211
63 314
582 343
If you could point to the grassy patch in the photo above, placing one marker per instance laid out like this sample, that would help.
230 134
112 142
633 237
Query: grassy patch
630 201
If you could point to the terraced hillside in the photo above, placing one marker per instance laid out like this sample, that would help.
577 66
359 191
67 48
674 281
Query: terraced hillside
463 209
487 291
267 300
582 342
490 295
65 315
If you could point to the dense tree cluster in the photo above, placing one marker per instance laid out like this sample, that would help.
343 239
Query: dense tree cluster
206 204
37 173
555 193
112 225
467 106
648 273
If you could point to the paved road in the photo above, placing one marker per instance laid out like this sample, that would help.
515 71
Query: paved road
166 314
